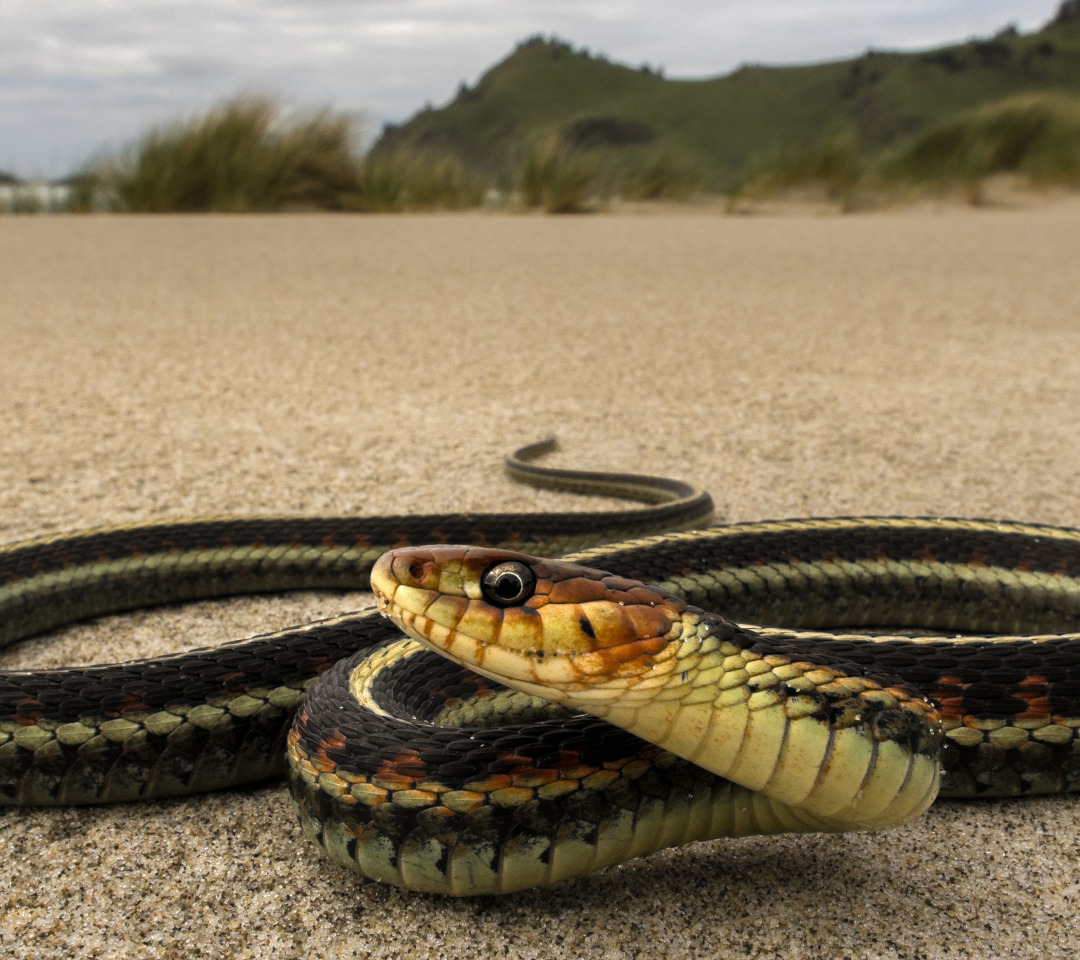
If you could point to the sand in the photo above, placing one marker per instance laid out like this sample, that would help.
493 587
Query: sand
923 362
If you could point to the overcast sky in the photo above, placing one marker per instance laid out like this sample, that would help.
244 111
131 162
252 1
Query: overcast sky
81 76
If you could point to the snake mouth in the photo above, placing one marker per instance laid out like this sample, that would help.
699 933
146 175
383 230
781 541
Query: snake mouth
520 620
382 602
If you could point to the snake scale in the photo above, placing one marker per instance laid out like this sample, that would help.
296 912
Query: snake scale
891 660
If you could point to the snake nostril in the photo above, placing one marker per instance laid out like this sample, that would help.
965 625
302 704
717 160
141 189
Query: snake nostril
412 571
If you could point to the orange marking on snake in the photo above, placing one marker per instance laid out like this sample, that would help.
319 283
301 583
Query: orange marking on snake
321 761
950 697
578 590
131 702
497 781
403 770
627 652
1034 691
28 712
526 771
233 684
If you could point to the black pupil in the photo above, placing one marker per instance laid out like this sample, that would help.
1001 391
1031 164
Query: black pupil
508 583
507 586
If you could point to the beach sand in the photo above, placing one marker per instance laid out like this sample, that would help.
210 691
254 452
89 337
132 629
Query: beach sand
924 362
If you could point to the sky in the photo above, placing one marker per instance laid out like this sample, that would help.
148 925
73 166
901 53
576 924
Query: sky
83 78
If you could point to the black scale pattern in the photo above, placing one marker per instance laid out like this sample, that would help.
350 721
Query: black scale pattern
143 540
70 693
235 748
992 678
366 745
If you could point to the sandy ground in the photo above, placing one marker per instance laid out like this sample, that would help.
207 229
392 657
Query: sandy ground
915 363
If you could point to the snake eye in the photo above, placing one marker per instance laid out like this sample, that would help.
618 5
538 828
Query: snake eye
508 583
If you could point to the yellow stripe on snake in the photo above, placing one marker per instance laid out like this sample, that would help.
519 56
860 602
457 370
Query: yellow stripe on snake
639 710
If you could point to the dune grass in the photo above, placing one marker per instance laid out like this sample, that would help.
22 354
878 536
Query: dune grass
833 166
425 181
1036 136
248 156
558 178
563 179
667 173
244 156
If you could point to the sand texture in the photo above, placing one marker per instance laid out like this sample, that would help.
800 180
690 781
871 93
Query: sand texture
917 363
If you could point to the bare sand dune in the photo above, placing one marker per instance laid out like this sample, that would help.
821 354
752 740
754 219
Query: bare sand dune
917 363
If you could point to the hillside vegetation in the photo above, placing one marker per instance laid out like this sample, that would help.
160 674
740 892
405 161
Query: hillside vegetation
565 130
722 128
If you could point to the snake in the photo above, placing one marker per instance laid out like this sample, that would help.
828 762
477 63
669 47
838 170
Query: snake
537 696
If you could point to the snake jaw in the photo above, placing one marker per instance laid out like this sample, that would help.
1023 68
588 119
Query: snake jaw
581 631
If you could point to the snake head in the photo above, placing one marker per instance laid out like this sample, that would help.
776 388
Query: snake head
547 627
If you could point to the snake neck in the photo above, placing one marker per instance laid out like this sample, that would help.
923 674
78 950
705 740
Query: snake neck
740 705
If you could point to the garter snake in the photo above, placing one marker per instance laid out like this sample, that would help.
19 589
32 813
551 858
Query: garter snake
419 773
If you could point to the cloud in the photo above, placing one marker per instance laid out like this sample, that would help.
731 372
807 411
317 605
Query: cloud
77 77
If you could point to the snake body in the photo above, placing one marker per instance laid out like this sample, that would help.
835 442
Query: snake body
203 719
418 773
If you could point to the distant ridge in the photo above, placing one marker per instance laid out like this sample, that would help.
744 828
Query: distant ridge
547 89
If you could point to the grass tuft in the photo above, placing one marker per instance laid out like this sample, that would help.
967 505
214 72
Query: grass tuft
241 157
557 178
667 174
833 165
427 181
246 156
1036 136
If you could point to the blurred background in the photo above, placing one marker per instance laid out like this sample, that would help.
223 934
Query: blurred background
193 106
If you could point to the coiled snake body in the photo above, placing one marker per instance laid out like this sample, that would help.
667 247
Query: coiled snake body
419 773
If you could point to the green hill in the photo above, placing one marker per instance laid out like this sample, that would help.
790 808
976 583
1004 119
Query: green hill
545 89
